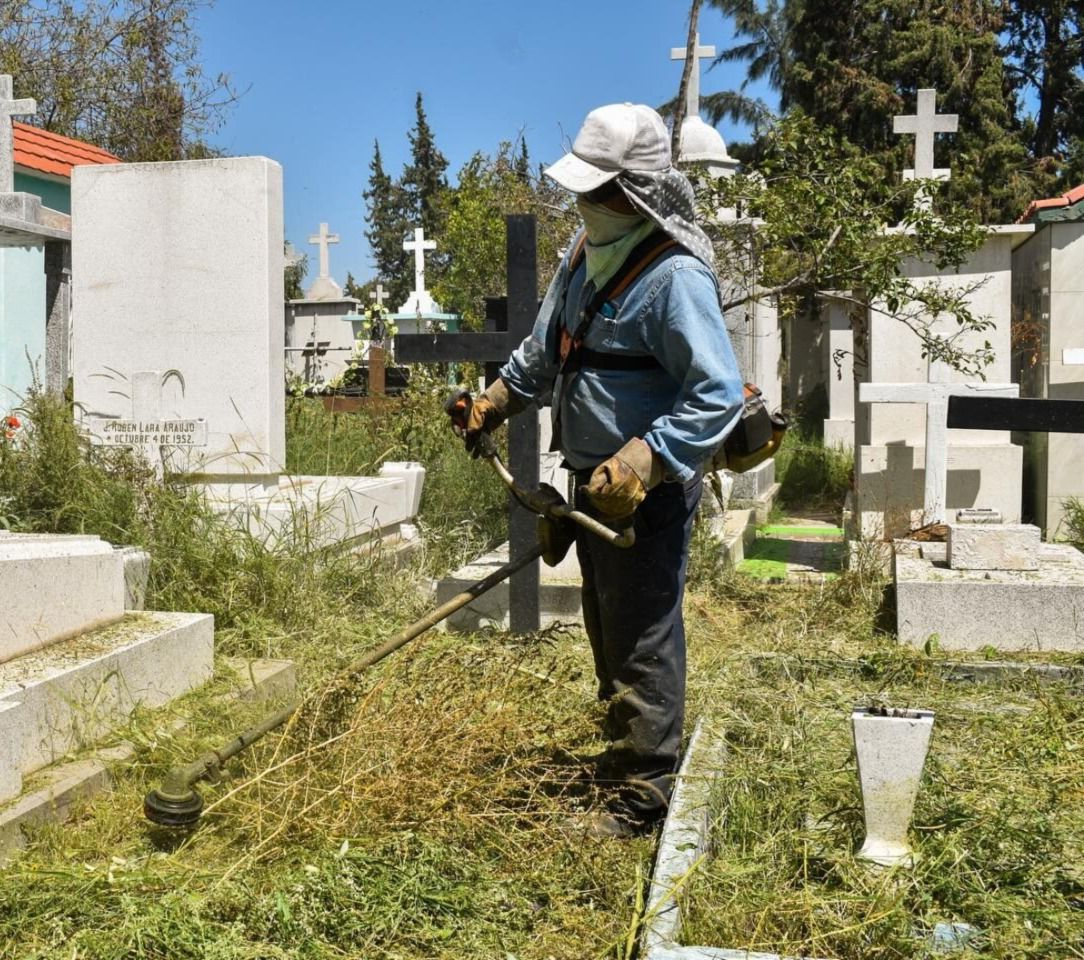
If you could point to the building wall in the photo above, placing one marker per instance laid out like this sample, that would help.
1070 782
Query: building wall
22 322
22 300
1048 296
57 196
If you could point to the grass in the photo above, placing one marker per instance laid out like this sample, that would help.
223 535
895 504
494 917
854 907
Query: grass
418 811
998 827
812 477
415 812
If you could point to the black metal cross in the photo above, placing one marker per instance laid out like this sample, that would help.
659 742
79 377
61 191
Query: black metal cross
1023 416
491 348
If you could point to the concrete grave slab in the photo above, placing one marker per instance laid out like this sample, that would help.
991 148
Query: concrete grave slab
993 546
61 788
1020 610
58 586
890 485
11 777
559 594
413 474
76 691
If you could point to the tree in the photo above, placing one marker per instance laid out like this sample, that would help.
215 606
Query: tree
766 51
821 205
387 224
523 161
1045 54
352 288
852 66
123 74
423 181
488 189
296 265
691 63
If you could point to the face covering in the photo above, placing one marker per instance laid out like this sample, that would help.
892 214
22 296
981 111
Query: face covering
603 224
611 237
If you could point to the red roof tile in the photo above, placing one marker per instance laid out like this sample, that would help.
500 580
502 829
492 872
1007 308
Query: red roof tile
37 149
1075 195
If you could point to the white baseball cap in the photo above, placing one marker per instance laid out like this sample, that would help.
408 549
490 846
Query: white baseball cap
614 138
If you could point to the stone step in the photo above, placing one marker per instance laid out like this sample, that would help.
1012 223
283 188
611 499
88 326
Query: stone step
57 586
559 593
74 692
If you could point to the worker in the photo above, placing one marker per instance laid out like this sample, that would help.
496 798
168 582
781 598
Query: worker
644 388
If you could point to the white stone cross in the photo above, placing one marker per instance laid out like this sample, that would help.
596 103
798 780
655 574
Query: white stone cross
379 295
935 395
146 431
10 107
322 239
419 245
692 92
924 123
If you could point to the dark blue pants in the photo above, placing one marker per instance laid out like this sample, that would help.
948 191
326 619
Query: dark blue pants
632 610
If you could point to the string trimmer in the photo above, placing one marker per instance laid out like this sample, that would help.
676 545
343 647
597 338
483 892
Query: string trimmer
177 803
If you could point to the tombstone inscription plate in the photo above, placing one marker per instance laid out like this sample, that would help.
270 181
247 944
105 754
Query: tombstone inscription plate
146 430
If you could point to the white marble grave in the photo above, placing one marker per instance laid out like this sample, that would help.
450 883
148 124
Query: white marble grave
178 268
984 467
420 310
75 659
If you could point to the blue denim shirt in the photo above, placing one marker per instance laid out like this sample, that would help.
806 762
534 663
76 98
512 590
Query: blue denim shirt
683 409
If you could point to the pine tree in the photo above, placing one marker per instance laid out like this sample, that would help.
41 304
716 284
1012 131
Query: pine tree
851 65
386 229
423 179
523 162
1045 47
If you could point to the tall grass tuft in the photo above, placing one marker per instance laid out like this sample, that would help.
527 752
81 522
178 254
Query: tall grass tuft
812 476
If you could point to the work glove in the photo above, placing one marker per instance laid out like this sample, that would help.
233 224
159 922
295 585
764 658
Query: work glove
618 485
472 418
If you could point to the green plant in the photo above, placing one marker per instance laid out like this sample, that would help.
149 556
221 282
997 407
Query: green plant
812 475
1073 522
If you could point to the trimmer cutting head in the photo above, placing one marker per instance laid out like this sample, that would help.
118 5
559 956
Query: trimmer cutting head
180 812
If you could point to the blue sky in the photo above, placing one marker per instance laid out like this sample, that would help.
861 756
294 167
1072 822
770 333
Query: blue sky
327 77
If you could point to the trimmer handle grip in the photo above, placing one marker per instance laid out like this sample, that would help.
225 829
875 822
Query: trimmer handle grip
458 406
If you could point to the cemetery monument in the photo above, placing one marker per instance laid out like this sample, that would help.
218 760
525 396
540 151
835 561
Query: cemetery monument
178 271
983 469
319 344
420 313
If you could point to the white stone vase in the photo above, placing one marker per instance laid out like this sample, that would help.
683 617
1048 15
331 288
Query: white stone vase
891 747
